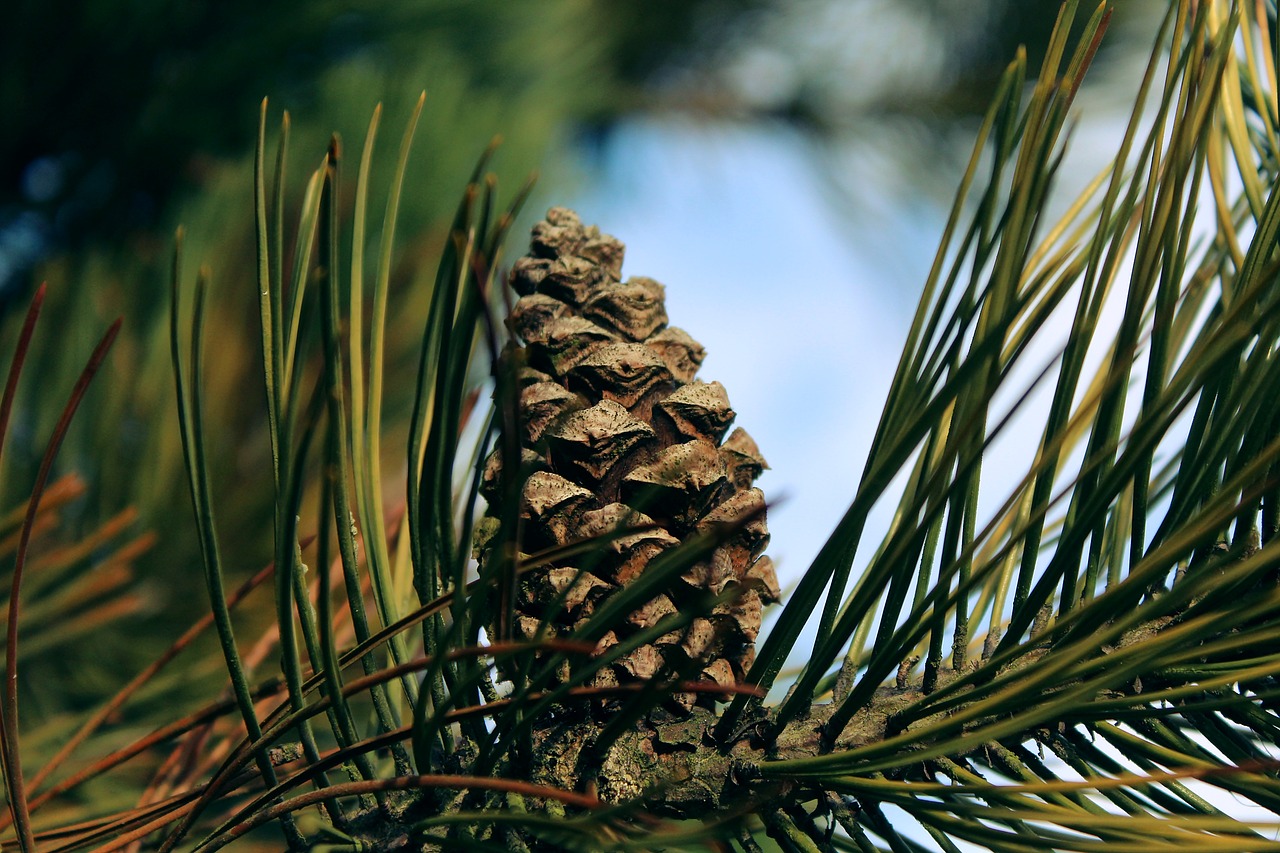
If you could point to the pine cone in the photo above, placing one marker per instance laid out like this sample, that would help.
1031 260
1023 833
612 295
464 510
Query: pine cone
620 434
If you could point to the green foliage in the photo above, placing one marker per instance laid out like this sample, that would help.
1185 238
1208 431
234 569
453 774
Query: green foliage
121 109
1135 557
1082 668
